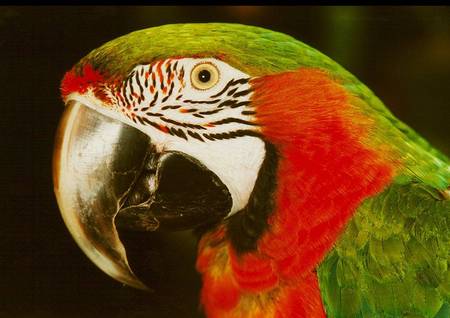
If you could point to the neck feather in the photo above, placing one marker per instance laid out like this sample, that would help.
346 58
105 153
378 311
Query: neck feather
326 168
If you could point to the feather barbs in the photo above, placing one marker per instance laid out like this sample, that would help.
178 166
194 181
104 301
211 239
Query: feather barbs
326 170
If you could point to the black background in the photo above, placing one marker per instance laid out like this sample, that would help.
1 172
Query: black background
401 53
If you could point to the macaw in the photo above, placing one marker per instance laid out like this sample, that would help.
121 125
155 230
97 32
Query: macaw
311 198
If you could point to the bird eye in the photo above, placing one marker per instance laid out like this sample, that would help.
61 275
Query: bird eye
204 76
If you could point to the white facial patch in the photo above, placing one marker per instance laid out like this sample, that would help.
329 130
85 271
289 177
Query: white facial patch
197 106
235 161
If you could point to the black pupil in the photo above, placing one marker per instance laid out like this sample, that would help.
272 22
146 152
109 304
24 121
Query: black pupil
204 76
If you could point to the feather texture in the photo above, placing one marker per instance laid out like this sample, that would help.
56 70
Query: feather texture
361 207
393 259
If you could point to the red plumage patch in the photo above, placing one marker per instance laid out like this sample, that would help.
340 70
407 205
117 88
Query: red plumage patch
74 82
252 273
220 292
326 170
301 300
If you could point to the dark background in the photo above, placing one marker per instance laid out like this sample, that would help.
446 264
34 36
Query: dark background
401 53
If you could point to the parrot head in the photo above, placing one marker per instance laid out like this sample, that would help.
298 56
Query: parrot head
181 126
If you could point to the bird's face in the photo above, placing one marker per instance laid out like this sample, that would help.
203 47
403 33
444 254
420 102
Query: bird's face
173 145
181 126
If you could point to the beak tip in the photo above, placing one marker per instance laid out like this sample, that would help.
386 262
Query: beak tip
139 285
132 281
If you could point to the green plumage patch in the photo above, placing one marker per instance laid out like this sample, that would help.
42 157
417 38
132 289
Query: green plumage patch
393 258
258 52
253 50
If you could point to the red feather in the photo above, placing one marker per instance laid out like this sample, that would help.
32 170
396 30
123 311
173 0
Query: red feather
326 170
74 82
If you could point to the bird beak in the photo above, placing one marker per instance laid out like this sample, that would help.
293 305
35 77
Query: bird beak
96 161
107 173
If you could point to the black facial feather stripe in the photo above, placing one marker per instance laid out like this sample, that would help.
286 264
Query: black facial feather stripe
232 82
242 93
244 103
141 90
178 132
171 89
165 99
246 226
234 120
145 121
207 136
153 114
130 76
242 81
210 112
201 101
170 107
233 103
126 99
155 98
231 92
194 135
139 118
229 84
228 102
168 70
130 85
231 134
171 121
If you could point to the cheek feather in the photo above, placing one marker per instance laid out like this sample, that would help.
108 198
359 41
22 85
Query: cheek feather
294 104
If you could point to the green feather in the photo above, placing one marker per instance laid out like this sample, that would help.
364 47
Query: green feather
398 264
260 52
254 50
393 258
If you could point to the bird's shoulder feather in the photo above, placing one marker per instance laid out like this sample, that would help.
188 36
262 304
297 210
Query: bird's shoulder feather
392 260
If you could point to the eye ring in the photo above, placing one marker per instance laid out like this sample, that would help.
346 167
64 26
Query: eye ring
204 76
